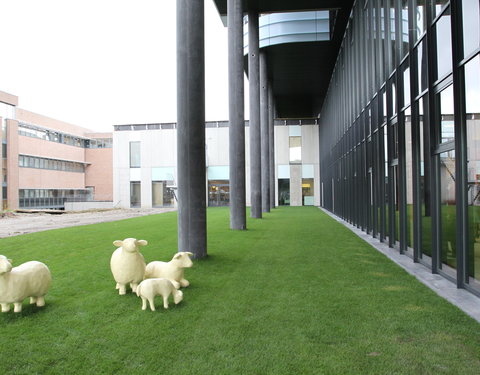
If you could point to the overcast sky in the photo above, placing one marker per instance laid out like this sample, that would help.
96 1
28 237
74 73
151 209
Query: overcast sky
96 63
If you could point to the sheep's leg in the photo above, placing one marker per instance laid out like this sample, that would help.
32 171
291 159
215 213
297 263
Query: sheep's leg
165 302
117 286
5 307
144 303
17 307
152 303
184 283
134 287
40 301
33 300
176 284
122 289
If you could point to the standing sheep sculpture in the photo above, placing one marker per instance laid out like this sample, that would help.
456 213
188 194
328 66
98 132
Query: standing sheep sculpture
30 279
172 270
150 288
127 264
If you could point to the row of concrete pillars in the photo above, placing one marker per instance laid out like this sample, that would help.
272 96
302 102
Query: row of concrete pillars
192 232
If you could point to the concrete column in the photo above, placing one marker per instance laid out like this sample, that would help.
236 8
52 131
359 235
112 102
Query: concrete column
296 185
271 148
264 136
254 89
238 218
191 169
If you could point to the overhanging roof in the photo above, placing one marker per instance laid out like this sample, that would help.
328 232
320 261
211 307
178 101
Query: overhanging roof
300 72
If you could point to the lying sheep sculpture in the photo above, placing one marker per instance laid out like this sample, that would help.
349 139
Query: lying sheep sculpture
172 270
30 279
127 264
150 288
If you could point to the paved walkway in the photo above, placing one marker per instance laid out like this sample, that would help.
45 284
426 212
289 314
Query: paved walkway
22 223
461 298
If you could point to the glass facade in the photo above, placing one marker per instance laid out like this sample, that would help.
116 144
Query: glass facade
34 131
135 194
26 161
162 194
399 131
52 198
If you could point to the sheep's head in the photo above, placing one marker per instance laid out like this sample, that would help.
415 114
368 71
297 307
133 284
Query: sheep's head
5 264
130 244
182 259
177 297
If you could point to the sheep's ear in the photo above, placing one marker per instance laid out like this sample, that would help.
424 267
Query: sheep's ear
141 242
189 253
177 256
10 261
118 243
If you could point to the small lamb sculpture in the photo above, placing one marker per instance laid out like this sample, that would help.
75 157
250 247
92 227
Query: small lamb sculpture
150 288
172 270
127 264
30 279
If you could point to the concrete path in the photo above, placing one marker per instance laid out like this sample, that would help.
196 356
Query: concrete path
21 223
461 298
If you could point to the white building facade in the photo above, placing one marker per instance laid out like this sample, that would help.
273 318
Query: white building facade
145 170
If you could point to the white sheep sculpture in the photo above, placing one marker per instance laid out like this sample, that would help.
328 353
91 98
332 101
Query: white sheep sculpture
173 270
127 264
30 279
150 288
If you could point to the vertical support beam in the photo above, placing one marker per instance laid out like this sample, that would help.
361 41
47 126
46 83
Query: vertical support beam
271 148
192 215
264 133
238 218
254 89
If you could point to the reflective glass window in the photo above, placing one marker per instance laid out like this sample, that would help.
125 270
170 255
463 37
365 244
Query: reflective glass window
471 26
472 106
447 128
406 86
295 145
448 209
420 18
444 45
135 155
404 28
422 74
409 176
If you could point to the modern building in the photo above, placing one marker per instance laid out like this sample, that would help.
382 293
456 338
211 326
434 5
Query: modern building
395 86
145 164
49 164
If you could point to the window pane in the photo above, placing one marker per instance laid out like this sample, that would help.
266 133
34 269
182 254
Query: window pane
447 208
283 191
404 30
439 4
447 129
471 28
472 97
135 195
134 154
409 177
406 86
444 45
426 220
422 74
295 149
420 18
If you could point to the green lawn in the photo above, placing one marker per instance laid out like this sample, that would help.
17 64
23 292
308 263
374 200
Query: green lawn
295 294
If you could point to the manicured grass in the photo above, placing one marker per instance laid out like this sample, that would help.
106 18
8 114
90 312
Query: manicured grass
297 293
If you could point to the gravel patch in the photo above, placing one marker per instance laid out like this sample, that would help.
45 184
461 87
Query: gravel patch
17 223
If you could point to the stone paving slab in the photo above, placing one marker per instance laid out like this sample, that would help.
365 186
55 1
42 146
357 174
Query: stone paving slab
22 223
463 299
